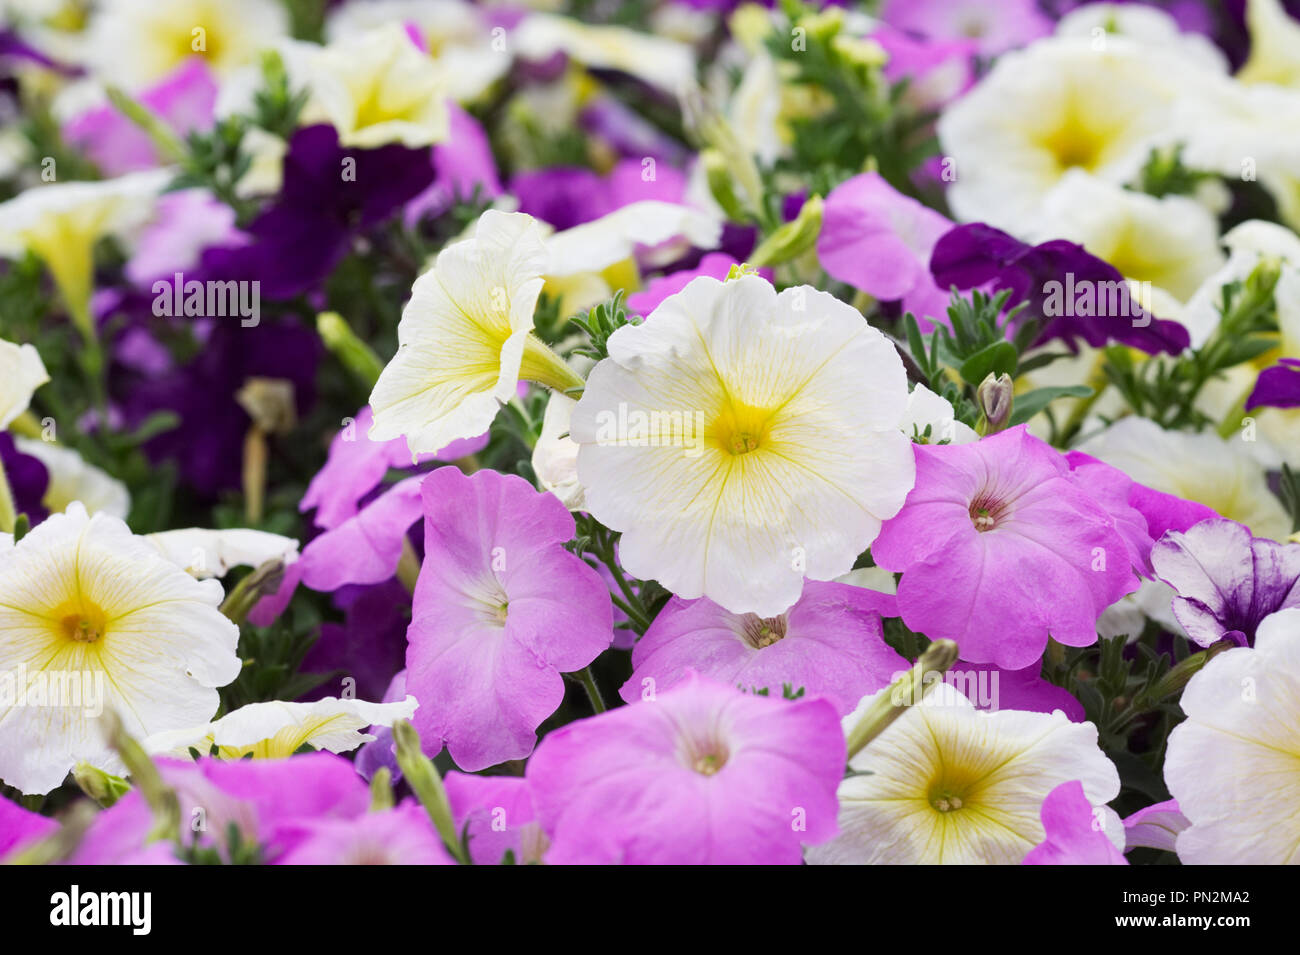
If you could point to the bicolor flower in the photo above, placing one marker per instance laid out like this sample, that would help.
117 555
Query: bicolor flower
1227 581
948 784
82 597
743 440
501 609
829 644
702 774
1231 765
465 338
1000 547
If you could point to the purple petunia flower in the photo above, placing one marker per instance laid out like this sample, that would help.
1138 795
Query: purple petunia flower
992 688
830 644
1155 827
28 479
1278 386
702 774
1075 835
1227 581
880 241
977 254
501 609
1000 547
402 835
497 814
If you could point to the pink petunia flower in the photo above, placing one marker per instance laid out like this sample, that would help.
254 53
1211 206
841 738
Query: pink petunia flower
1000 548
1076 835
702 774
995 27
402 835
830 644
501 609
496 813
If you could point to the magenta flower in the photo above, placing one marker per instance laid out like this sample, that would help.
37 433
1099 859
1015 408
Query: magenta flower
19 827
996 27
1155 827
184 224
716 265
700 775
1278 386
937 71
880 241
1000 547
501 609
1227 581
830 644
462 163
496 814
991 688
402 835
1075 834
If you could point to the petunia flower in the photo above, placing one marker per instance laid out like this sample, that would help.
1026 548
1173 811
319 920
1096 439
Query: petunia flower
81 596
1155 827
185 223
21 373
501 609
402 835
880 241
699 775
1041 276
496 813
465 338
25 479
937 71
1231 765
926 410
743 440
1278 386
716 265
20 827
1228 582
948 784
73 478
999 548
659 61
276 729
995 28
1075 832
829 644
1200 467
555 455
204 552
137 42
1274 45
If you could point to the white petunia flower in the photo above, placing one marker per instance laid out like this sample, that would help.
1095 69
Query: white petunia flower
93 612
1204 467
136 42
555 456
277 730
1171 242
1274 45
375 88
465 338
950 784
73 478
1234 764
457 35
658 61
743 440
1059 104
926 409
62 221
1148 25
21 373
1248 245
206 553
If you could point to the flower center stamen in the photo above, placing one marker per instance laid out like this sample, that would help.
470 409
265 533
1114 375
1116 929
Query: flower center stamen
760 632
741 429
986 513
84 625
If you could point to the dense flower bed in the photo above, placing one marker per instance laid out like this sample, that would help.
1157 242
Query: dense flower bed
663 431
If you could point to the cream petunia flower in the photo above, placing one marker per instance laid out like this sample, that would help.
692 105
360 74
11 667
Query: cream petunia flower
950 784
1221 474
658 61
743 440
136 42
1171 243
1059 104
1234 764
465 338
470 53
555 456
90 610
61 223
21 373
206 553
276 729
375 88
73 478
1274 45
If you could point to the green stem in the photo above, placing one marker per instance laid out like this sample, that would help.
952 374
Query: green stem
423 778
907 690
588 681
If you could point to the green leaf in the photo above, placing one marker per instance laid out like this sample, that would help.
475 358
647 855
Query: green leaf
997 358
1032 402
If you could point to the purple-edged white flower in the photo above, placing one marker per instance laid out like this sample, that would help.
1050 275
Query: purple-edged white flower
1227 581
501 610
1001 547
1075 831
701 774
830 644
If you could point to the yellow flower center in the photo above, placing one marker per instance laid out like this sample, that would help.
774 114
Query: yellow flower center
760 632
740 428
82 624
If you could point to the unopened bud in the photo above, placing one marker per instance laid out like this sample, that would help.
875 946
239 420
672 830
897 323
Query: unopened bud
792 239
995 396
